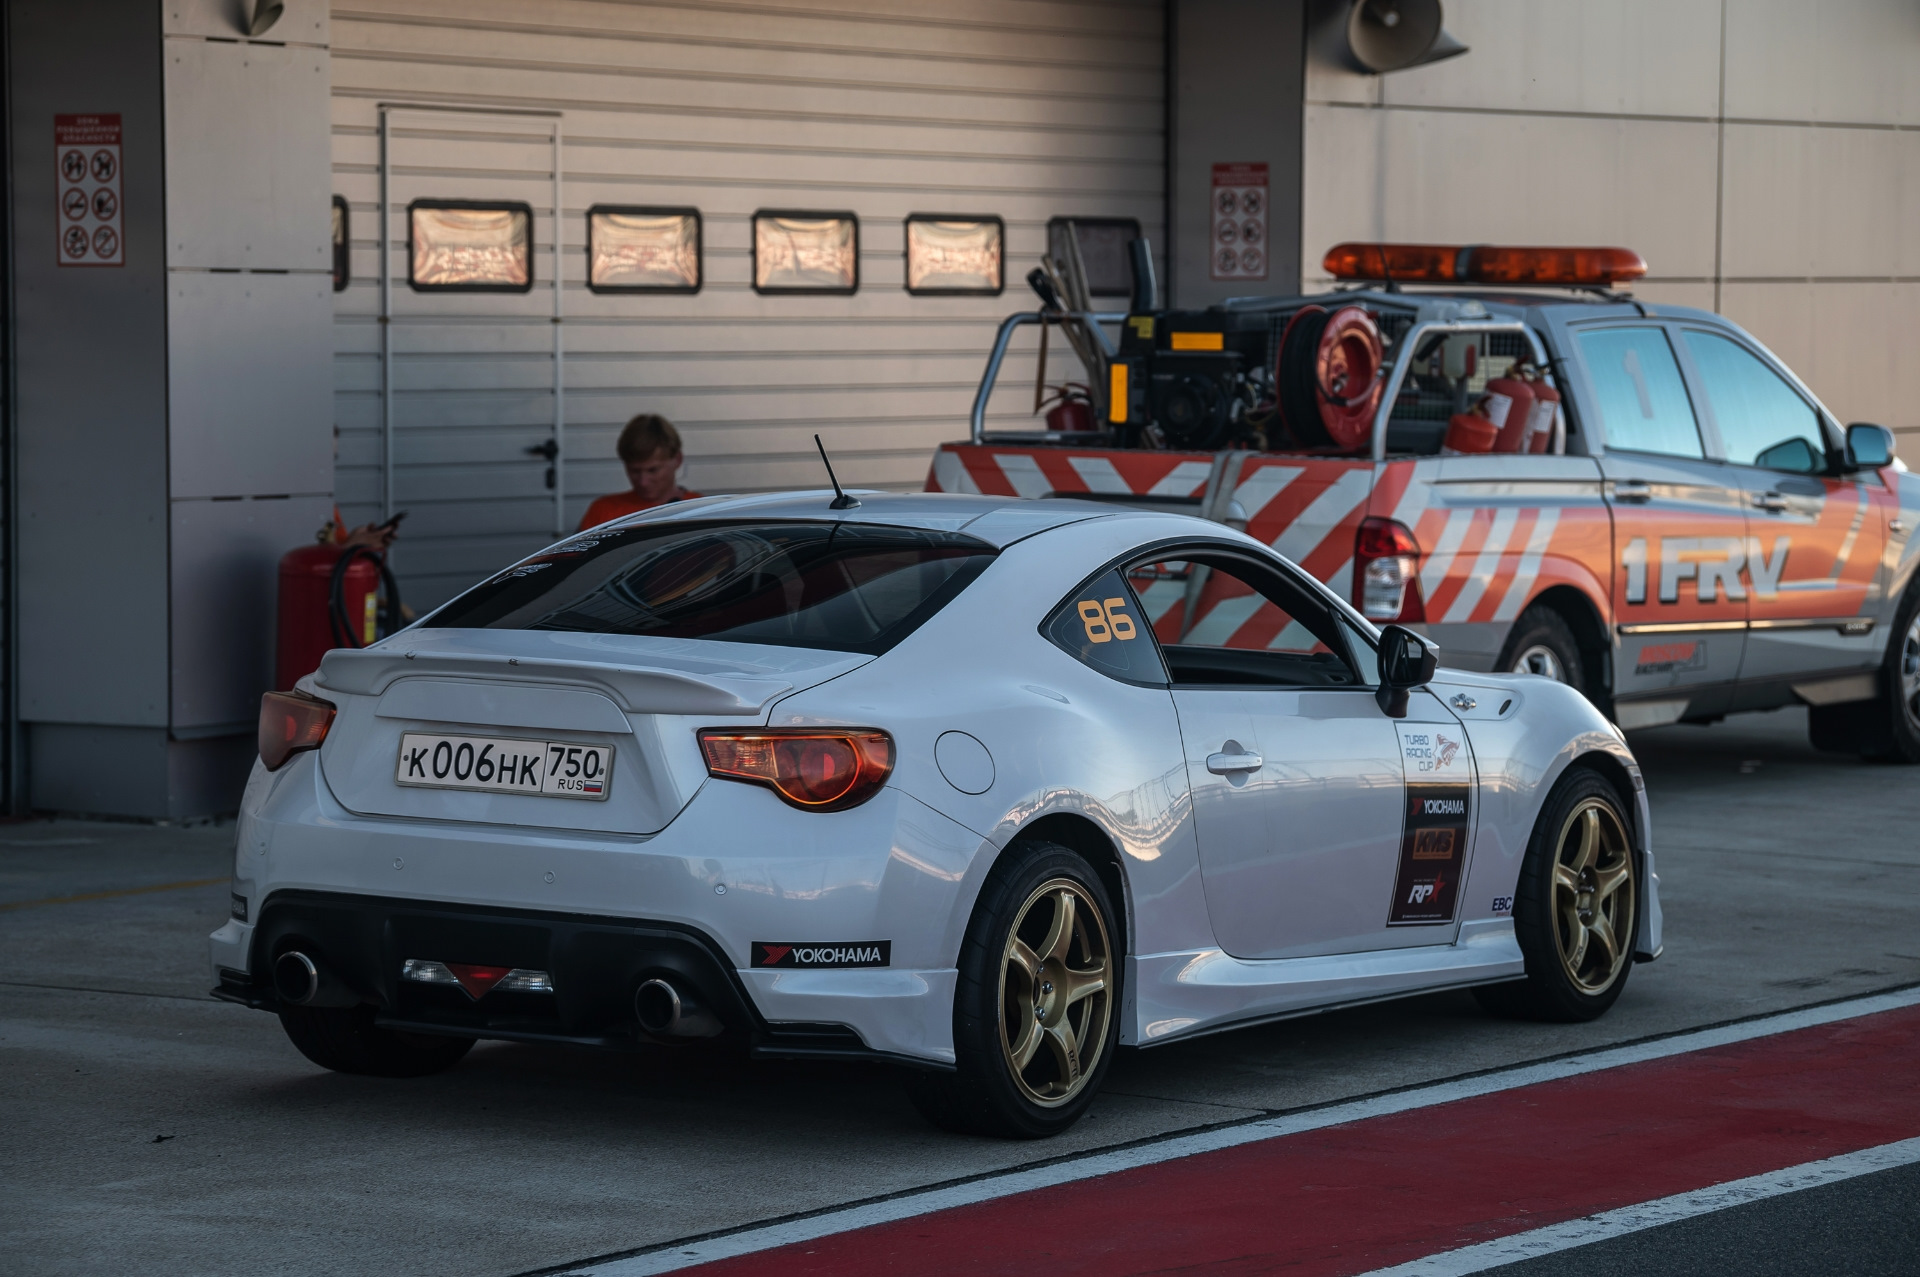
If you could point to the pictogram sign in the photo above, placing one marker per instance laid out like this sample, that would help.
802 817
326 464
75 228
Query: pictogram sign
1239 216
86 151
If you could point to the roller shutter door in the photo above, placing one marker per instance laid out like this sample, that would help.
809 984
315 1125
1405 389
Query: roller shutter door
1025 111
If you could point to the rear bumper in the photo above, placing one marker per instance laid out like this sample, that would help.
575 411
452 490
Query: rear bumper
596 964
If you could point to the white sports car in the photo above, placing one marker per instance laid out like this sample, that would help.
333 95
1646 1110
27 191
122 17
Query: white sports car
986 787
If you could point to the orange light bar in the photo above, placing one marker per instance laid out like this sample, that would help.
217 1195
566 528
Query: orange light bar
1484 264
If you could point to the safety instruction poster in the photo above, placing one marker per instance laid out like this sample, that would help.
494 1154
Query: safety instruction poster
86 151
1239 237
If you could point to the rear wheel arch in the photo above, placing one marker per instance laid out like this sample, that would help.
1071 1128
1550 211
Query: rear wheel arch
1583 617
1085 837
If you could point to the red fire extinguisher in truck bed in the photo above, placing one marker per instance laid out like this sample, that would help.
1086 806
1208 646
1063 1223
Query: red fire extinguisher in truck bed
332 595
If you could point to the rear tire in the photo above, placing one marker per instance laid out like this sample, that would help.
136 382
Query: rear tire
1888 726
346 1040
1036 1007
1576 909
1543 643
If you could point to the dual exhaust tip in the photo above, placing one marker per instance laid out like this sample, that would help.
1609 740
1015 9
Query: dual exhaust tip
663 1008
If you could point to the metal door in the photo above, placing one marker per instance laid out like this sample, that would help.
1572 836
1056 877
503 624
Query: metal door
1814 541
1294 770
472 381
1679 527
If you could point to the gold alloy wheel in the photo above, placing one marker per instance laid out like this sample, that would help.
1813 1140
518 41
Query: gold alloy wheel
1593 896
1056 992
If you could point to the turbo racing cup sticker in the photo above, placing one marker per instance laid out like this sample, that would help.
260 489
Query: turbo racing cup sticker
858 953
1431 751
1433 855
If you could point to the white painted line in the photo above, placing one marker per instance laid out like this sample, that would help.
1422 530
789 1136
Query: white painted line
1667 1210
1099 474
992 1187
1486 565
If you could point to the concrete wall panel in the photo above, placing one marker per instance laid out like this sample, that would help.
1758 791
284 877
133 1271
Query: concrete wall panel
300 21
1843 62
250 384
1821 202
247 157
1451 177
1846 341
225 558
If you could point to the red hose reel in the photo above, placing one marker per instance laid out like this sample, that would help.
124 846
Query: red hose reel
1329 376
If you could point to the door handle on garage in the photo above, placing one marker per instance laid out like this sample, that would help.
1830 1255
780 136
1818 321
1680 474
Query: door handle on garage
1635 490
1227 764
1770 501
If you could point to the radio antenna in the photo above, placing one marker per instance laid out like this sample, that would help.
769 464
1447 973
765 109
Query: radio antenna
841 501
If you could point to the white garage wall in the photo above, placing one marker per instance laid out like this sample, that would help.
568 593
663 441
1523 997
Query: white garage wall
1026 109
1762 155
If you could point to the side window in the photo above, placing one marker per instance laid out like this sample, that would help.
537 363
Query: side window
1763 421
1226 621
1100 625
1643 401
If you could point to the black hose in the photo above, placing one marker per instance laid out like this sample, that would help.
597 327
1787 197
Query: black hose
344 634
1296 379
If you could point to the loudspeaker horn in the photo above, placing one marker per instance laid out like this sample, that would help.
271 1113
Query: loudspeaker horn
265 14
1392 35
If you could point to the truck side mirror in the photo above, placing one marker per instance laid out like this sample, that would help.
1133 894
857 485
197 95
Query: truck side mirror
1868 446
1406 662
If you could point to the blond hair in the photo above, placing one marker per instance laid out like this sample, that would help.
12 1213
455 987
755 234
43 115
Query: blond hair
647 436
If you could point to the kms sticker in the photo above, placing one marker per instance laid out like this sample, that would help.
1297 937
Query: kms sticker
1433 855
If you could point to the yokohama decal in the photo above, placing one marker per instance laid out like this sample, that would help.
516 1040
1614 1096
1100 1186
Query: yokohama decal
858 953
1433 855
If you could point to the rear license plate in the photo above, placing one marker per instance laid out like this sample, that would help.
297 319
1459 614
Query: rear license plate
499 765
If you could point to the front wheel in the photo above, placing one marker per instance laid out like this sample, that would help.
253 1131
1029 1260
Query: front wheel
1034 1010
1576 907
1887 727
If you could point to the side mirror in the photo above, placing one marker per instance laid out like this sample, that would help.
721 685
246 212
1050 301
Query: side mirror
1868 446
1406 662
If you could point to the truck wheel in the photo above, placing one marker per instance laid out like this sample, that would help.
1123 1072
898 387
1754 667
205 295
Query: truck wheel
1542 643
346 1040
1576 908
1887 727
1034 1011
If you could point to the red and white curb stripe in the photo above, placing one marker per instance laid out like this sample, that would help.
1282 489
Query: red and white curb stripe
677 1255
1667 1210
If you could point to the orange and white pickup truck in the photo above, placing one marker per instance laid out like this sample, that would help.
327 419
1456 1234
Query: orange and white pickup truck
1687 533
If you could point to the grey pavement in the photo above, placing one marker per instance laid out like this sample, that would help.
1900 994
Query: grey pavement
144 1126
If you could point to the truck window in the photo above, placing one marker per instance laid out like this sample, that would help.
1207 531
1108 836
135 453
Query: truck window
1642 400
1763 421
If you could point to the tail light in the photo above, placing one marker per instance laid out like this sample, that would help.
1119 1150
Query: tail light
1386 564
814 769
289 723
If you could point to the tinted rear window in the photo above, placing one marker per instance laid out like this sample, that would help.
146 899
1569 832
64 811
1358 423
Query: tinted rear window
846 587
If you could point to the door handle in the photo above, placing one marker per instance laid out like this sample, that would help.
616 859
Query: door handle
1634 490
1770 501
1227 764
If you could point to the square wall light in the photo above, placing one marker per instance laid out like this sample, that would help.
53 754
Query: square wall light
1103 248
955 256
635 249
469 246
805 252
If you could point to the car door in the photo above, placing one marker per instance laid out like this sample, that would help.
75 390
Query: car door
1814 539
1295 771
1679 527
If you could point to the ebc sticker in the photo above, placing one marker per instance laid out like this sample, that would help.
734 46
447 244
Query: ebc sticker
814 957
1433 854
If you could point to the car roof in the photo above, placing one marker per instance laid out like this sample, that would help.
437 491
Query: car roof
999 521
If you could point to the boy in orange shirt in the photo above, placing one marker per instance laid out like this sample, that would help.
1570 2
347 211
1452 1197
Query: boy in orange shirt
649 447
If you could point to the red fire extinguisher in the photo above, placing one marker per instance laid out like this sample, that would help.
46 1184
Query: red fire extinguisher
1545 415
330 596
1513 425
